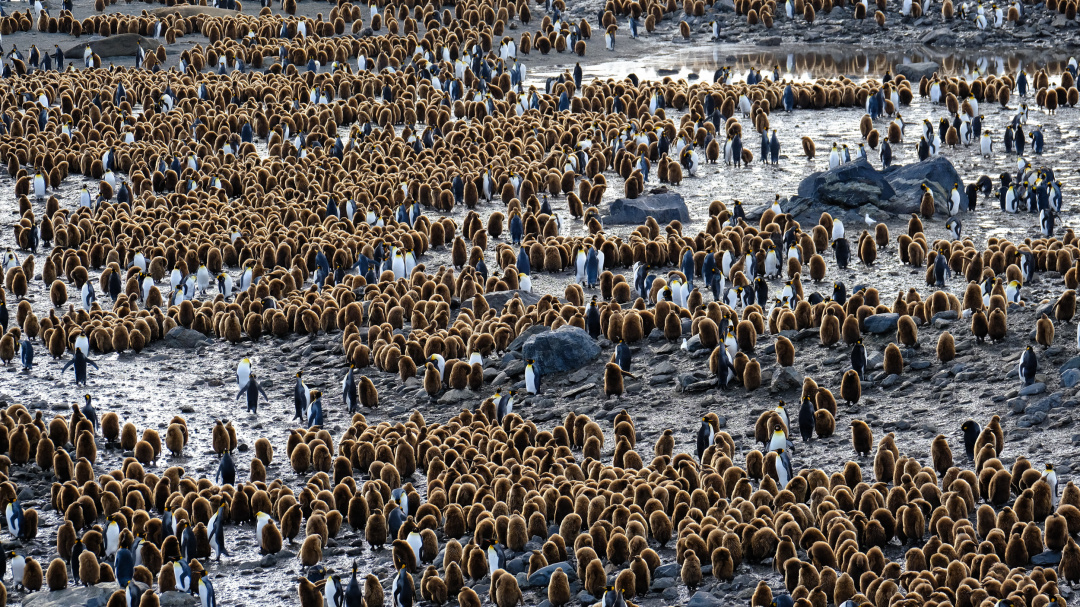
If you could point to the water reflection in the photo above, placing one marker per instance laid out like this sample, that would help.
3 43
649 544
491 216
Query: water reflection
821 61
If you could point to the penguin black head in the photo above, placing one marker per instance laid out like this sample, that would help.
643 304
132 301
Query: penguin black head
1049 467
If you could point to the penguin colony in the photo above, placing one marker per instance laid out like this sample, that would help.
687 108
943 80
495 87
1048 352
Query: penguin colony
190 225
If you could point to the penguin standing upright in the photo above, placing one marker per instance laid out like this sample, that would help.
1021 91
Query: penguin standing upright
1050 476
315 410
226 471
354 596
26 353
207 596
784 471
402 589
806 419
705 436
1028 367
253 390
301 396
13 512
182 575
592 319
112 536
504 406
124 565
79 361
243 372
858 358
350 391
623 356
217 534
532 377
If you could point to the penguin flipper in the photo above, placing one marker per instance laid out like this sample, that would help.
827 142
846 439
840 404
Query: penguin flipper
240 393
92 364
68 364
263 392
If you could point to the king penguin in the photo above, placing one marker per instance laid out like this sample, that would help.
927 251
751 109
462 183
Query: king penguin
532 377
705 435
253 390
79 361
1028 367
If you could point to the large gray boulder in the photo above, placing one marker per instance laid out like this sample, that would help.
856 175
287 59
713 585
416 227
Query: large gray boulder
542 576
182 337
497 299
849 185
664 207
120 45
565 349
881 323
915 71
907 181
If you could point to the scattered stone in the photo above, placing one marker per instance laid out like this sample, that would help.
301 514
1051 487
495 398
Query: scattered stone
1035 388
182 337
542 576
663 206
1070 378
1047 558
703 599
881 323
786 378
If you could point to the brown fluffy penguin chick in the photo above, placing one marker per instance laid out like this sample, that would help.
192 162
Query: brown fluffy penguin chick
785 352
851 387
926 203
893 362
862 438
723 568
762 596
56 576
979 326
941 454
466 598
691 570
1044 331
373 592
1065 308
613 380
906 331
946 348
308 593
432 380
996 326
824 423
508 593
752 375
33 576
1069 567
89 569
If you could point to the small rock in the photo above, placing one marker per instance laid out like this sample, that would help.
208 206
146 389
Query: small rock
1035 388
881 323
703 599
1070 378
785 378
542 576
669 570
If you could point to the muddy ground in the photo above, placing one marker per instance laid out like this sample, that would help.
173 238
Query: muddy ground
927 399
